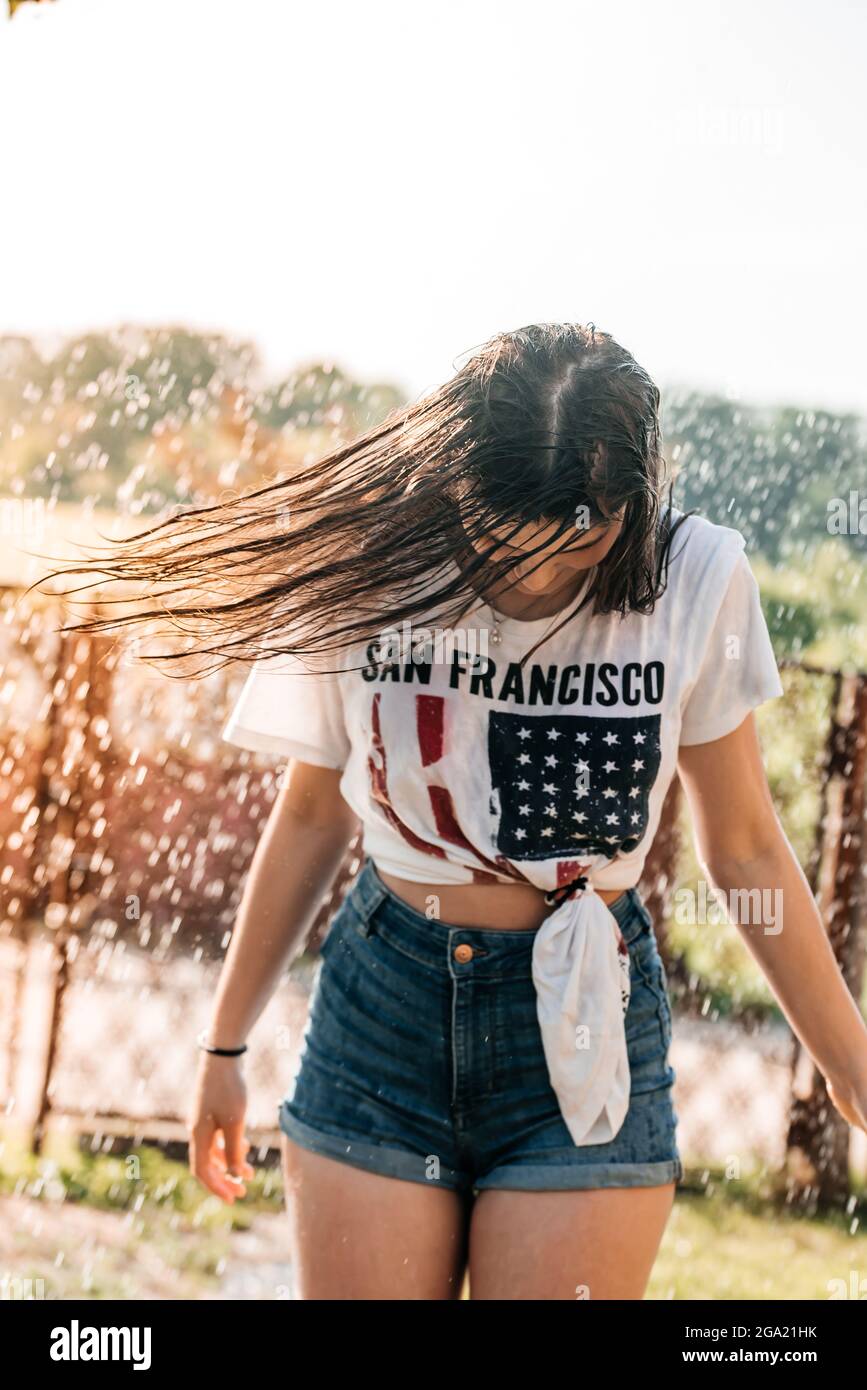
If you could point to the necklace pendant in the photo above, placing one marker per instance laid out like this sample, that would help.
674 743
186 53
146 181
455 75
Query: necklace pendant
496 639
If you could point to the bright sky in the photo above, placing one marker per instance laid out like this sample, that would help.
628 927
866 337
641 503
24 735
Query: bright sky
386 184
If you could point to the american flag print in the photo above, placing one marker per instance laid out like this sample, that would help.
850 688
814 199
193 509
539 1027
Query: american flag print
430 722
569 784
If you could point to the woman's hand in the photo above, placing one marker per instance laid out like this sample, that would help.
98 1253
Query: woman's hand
310 828
218 1148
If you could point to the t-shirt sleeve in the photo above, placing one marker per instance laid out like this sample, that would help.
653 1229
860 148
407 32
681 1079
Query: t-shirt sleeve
285 707
738 670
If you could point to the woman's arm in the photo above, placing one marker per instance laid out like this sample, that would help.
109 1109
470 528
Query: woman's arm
298 855
300 851
742 847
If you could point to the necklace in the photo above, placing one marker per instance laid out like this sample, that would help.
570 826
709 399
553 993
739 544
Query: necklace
496 635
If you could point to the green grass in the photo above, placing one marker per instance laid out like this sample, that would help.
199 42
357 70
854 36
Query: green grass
728 1240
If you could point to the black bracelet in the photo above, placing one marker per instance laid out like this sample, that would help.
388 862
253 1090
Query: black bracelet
219 1051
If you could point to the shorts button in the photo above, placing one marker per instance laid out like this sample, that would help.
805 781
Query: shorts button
463 953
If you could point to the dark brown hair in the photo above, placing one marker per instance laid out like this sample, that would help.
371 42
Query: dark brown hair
537 424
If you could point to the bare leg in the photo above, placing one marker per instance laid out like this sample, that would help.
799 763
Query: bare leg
596 1244
356 1235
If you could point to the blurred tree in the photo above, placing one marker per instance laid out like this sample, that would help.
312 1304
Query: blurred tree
135 417
770 473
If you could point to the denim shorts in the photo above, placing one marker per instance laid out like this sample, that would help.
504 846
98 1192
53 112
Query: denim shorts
421 1066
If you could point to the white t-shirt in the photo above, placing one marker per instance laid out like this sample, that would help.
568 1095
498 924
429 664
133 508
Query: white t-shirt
467 767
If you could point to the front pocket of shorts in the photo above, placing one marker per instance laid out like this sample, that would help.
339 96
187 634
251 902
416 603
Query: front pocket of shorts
519 1066
647 961
648 1018
659 985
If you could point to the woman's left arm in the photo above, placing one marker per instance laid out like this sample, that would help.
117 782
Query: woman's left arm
745 853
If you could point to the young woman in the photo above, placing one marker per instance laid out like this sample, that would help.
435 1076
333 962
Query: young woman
479 633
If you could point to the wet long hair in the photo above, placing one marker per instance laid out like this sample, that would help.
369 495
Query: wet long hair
551 423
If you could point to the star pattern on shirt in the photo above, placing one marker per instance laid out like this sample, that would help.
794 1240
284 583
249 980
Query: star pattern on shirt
588 797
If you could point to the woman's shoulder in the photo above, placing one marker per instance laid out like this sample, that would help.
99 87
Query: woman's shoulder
700 549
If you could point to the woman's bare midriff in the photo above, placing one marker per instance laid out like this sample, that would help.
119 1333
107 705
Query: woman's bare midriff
491 906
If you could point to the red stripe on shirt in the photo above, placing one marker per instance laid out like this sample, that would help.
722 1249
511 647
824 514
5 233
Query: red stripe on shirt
430 726
448 827
378 772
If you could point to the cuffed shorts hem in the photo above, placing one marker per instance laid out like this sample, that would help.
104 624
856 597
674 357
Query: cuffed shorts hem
375 1158
528 1177
552 1177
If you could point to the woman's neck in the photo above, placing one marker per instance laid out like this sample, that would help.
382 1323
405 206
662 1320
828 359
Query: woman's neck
529 607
